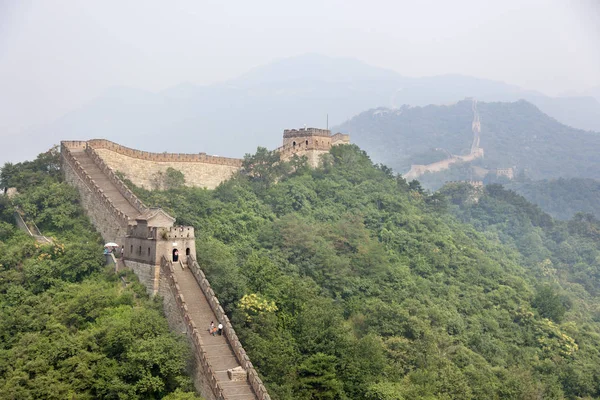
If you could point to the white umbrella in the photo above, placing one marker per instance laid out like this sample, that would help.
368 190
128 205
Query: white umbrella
111 244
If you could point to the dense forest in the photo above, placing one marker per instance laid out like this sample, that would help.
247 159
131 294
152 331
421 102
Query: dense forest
69 328
561 198
343 282
512 134
348 282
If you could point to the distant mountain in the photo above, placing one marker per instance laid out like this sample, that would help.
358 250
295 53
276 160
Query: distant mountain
234 117
514 134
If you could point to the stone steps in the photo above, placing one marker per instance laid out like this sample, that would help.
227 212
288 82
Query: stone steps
218 351
109 189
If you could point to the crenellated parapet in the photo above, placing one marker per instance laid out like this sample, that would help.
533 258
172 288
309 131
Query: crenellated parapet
163 157
309 142
110 174
473 183
340 138
255 382
76 167
214 389
159 252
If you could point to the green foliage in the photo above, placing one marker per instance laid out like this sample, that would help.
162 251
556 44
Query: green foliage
169 180
549 304
347 282
45 168
265 166
69 329
512 134
561 198
318 380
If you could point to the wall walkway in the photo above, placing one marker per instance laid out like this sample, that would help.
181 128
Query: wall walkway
112 207
215 353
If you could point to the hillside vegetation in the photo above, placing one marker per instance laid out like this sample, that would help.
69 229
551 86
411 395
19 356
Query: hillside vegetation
69 329
346 282
512 134
561 198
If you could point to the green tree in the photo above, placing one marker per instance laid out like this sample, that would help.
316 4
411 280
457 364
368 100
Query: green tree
549 304
317 378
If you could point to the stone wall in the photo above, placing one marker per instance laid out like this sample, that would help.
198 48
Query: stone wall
141 256
417 170
119 184
228 331
108 220
205 379
340 138
141 167
148 275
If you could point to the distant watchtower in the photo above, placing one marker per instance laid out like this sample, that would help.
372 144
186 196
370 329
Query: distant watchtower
309 142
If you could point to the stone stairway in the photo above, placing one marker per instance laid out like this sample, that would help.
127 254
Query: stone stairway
104 183
219 353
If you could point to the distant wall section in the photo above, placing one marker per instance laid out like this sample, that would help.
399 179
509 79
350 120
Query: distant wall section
142 167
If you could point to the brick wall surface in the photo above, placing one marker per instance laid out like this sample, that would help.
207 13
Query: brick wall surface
103 219
142 172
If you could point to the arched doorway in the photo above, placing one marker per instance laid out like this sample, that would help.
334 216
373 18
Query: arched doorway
187 251
175 255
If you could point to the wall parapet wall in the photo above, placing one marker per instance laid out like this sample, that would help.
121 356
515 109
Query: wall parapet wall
240 354
340 138
192 330
121 187
303 132
163 157
65 151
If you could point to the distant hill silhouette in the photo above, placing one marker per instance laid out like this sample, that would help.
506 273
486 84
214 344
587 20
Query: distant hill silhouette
233 117
512 134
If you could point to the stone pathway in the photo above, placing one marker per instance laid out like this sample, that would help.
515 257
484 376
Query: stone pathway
110 190
218 351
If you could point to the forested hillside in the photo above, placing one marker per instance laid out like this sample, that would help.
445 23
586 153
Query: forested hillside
346 282
561 198
69 329
512 135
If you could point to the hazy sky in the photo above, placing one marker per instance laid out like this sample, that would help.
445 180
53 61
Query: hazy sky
57 54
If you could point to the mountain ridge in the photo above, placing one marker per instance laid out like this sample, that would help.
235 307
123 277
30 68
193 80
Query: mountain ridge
233 117
512 134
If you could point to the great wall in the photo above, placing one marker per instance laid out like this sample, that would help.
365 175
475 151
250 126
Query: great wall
163 255
476 152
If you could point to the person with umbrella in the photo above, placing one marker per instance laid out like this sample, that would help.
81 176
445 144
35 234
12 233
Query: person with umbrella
109 247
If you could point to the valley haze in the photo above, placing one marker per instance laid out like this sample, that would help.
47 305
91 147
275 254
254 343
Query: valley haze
232 118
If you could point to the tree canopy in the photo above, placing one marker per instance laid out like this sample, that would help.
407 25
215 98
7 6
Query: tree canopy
347 282
68 327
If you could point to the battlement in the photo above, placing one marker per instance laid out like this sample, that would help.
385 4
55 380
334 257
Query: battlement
506 172
163 157
292 133
475 184
141 231
309 142
340 138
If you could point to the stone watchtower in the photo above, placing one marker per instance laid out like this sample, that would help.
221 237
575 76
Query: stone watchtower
152 237
309 142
